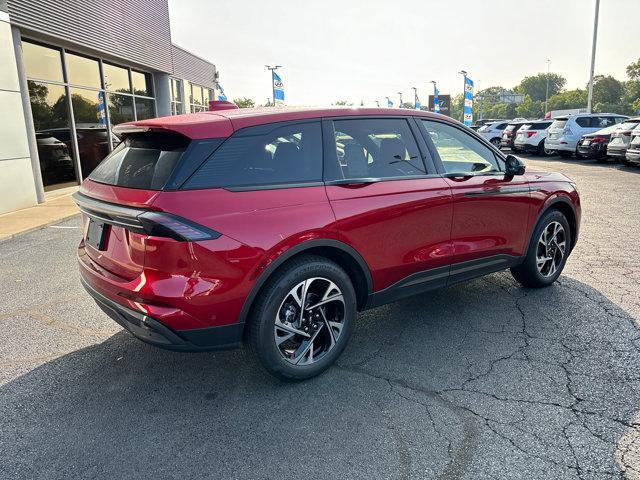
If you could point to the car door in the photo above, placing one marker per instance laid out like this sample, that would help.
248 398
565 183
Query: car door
389 202
490 210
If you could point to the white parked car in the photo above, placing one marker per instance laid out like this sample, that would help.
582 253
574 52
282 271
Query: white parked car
493 131
565 132
530 137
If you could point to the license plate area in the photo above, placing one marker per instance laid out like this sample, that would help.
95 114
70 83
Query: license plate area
586 143
96 234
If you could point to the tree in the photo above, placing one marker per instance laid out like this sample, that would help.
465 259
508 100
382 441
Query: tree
530 108
343 103
633 70
607 89
409 105
571 99
244 102
536 85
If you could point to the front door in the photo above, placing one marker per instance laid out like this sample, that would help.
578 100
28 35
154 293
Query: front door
490 210
389 203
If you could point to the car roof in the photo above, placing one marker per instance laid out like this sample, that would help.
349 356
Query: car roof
222 123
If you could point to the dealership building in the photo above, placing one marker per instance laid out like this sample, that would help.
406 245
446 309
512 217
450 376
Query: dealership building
69 71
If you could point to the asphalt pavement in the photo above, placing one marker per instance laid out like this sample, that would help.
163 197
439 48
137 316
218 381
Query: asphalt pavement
481 380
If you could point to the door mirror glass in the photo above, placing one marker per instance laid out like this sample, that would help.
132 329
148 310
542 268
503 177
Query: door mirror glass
514 166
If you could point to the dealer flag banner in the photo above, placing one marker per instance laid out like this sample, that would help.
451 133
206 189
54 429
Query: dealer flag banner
278 88
468 101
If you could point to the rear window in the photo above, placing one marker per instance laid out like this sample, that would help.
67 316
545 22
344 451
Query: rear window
500 126
142 160
629 125
540 126
559 123
264 155
526 126
510 128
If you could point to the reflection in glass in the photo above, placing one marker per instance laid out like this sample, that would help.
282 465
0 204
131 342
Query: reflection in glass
53 135
120 108
176 90
145 108
42 62
116 79
196 95
91 127
141 83
82 71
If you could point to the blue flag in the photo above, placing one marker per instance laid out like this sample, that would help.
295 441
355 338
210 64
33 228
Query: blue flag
102 115
468 101
417 103
389 103
436 100
278 88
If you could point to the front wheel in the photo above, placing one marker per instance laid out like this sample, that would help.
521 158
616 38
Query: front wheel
547 253
303 318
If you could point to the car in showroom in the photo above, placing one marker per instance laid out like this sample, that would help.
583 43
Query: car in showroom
492 132
621 139
274 227
632 157
509 135
530 137
565 132
594 145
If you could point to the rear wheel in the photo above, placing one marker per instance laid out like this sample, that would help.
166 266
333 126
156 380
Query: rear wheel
541 150
495 142
547 252
303 318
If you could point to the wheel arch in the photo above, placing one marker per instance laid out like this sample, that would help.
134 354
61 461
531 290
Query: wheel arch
564 206
339 252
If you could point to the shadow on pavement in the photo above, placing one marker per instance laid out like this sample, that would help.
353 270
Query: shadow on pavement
484 379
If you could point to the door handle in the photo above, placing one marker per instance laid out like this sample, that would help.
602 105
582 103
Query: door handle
353 181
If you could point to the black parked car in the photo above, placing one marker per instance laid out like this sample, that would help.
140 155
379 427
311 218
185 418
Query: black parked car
594 145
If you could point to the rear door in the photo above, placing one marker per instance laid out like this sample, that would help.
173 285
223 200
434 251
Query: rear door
389 202
491 210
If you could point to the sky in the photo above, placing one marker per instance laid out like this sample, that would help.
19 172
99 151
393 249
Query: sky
364 50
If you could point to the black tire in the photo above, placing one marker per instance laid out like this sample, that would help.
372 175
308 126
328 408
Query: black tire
527 273
565 154
542 152
627 163
261 336
495 142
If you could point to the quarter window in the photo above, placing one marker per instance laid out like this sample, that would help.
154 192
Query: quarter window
262 156
459 151
376 148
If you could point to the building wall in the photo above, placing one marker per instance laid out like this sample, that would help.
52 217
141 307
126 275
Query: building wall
188 66
138 31
17 187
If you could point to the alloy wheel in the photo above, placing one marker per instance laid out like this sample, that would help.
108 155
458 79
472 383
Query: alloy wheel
309 321
552 245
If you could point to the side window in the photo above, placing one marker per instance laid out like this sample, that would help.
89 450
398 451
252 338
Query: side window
502 126
377 148
601 122
459 151
264 155
585 122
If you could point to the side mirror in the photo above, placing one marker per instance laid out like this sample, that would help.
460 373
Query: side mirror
514 166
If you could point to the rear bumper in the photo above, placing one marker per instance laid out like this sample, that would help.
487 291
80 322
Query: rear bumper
617 152
155 333
633 156
561 144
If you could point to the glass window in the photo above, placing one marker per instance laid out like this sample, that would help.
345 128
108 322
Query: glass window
196 95
141 83
558 124
145 108
176 90
142 160
459 151
41 62
53 135
83 71
120 108
377 148
91 127
264 155
116 79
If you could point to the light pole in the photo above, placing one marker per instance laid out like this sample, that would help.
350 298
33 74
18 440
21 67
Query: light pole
436 107
464 89
400 93
415 98
546 97
593 57
273 87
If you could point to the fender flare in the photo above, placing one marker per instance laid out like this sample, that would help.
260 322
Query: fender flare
289 253
549 204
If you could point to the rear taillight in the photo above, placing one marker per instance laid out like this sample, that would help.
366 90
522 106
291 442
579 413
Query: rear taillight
626 133
598 139
530 134
144 221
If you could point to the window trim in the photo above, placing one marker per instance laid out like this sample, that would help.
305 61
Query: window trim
330 158
500 157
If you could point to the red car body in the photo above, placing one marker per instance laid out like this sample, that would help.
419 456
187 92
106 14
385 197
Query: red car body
394 238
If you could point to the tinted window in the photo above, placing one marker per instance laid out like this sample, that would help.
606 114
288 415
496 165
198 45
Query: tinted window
539 126
459 151
601 122
116 79
264 155
584 122
629 124
510 128
42 62
141 83
500 126
377 148
142 160
559 124
83 71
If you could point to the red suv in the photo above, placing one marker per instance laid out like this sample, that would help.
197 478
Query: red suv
274 227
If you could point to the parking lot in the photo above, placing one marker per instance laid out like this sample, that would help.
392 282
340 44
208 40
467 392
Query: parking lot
480 380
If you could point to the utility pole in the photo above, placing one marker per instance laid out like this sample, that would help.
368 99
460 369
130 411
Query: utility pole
415 97
273 87
400 93
546 97
593 57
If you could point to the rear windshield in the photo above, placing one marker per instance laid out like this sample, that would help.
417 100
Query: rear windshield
510 128
629 125
142 160
540 126
559 123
